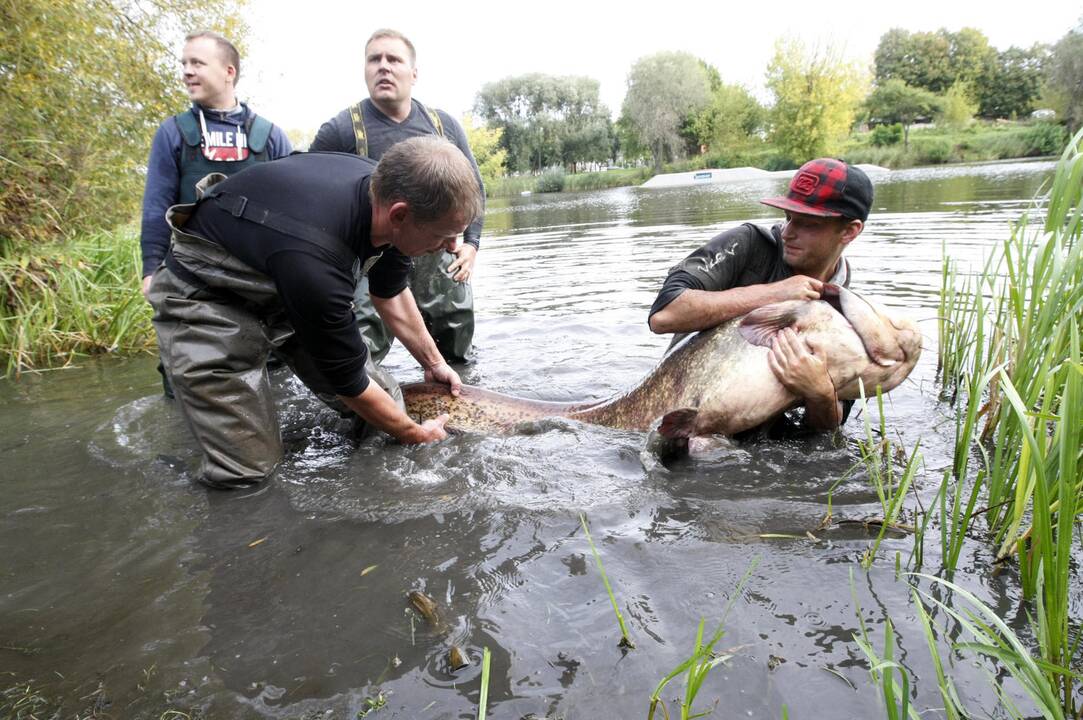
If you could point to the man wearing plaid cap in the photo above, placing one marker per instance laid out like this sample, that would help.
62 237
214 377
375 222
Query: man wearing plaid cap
750 266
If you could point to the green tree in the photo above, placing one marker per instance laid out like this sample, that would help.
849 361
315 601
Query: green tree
1014 83
484 142
1063 73
663 91
957 106
919 59
547 120
896 102
83 85
934 60
817 96
731 122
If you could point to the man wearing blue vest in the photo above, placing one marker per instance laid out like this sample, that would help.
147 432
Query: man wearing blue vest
388 116
217 134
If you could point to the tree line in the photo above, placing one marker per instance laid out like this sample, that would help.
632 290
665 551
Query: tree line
83 85
679 105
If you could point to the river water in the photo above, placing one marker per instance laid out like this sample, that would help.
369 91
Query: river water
129 588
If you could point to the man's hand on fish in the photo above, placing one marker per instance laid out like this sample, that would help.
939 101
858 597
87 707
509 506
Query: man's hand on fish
797 287
804 374
462 267
442 373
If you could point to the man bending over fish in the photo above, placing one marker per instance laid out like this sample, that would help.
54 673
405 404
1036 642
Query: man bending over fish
751 266
265 259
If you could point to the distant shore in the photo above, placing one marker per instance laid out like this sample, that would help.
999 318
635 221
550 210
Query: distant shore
927 146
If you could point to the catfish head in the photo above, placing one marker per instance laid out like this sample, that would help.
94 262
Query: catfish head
861 343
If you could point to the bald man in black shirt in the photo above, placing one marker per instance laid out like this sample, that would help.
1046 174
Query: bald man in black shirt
265 260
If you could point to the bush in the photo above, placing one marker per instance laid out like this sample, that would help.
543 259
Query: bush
883 135
1045 138
78 298
84 85
933 150
550 181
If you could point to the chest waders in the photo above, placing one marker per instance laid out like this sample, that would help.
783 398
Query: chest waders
446 306
217 318
194 165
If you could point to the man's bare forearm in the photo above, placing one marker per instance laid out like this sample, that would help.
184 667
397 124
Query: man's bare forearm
404 320
694 310
702 309
378 409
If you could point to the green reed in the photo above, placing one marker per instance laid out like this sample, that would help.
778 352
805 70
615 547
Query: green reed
992 638
483 699
83 297
878 457
697 666
989 637
625 638
1011 344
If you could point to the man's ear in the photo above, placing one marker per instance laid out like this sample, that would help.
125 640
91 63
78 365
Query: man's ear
851 230
398 212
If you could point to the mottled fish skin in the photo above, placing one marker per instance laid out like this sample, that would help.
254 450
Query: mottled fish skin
718 372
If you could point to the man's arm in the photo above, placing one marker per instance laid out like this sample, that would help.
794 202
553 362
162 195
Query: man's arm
694 309
466 254
805 375
161 191
278 144
377 408
404 320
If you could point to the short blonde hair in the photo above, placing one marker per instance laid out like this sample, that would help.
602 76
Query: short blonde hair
227 49
389 33
431 176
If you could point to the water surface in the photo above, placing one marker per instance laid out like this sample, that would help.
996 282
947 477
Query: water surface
126 584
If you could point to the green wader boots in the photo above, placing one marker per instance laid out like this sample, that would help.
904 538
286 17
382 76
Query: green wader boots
446 306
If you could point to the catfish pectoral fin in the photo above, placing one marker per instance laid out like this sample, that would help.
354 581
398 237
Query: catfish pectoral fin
668 437
680 423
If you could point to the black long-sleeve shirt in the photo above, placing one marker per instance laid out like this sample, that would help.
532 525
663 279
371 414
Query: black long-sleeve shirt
328 191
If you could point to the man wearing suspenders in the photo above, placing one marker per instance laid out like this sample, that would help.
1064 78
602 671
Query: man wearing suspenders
388 116
217 134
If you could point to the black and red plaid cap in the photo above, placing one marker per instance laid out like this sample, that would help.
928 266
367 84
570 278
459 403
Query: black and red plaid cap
827 188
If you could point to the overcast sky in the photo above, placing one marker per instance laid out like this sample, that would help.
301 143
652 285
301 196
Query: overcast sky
304 60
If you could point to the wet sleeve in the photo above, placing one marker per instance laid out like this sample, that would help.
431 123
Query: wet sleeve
390 275
318 298
161 191
329 138
457 135
715 266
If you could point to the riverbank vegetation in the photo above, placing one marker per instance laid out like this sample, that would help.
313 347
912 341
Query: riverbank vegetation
1010 363
73 299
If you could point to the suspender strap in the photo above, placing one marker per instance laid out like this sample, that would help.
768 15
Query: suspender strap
240 206
436 121
357 116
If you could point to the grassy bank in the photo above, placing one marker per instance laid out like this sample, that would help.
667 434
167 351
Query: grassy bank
72 299
559 181
979 142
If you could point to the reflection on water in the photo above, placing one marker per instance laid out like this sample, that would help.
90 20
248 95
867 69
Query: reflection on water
121 575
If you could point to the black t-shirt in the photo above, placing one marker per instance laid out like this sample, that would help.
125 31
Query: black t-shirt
329 192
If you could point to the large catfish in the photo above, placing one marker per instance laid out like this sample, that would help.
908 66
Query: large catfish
717 381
